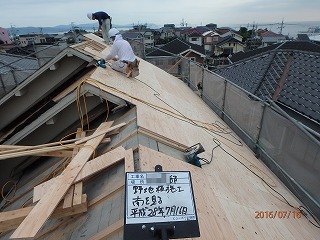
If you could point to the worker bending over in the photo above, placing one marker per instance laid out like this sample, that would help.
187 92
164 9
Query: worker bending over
124 59
104 23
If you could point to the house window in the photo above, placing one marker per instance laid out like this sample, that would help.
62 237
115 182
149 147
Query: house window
209 39
193 59
229 44
215 39
194 39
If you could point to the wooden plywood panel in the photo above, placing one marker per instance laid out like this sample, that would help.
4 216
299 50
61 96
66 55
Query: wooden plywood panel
212 217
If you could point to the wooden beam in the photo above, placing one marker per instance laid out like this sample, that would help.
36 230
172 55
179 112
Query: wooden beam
66 153
92 167
100 133
68 199
12 219
33 152
45 207
77 194
113 228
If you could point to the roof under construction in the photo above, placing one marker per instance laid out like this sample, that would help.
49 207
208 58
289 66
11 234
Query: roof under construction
72 130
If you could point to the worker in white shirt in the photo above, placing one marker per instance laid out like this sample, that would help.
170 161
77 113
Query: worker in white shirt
124 59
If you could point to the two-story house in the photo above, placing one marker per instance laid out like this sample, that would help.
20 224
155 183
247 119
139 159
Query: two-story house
169 55
195 38
209 39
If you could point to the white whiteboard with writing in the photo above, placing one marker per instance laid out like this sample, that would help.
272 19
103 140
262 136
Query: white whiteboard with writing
159 197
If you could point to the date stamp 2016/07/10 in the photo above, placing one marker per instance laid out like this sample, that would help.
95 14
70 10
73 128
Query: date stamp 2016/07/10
277 214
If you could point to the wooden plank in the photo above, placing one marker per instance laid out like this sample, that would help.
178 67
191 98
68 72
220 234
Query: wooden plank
129 162
92 167
68 198
34 152
43 210
66 153
113 228
100 133
77 195
11 219
59 151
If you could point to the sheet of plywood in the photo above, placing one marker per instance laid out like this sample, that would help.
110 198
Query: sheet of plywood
212 218
113 228
42 211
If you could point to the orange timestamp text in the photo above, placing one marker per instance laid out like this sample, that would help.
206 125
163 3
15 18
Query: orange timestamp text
277 214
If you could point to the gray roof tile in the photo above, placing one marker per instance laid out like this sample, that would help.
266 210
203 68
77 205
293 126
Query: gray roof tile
301 90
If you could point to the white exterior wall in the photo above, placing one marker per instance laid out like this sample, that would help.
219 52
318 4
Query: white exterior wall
195 40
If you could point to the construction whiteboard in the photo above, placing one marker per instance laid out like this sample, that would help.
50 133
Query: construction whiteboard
155 197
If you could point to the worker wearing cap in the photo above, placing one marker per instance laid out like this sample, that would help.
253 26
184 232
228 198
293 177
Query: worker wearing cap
124 58
104 23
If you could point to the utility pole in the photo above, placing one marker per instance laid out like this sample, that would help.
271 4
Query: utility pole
281 27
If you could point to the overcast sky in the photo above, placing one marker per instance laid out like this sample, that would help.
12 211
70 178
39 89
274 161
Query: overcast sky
49 13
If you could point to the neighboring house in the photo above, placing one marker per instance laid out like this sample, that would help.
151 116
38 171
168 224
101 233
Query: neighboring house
4 36
228 46
148 36
209 40
168 31
168 55
289 74
303 37
224 30
136 41
212 26
29 39
232 34
269 38
195 38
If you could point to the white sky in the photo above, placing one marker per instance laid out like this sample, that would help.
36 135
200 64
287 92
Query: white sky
49 13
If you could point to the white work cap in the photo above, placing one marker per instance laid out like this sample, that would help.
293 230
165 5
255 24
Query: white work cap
113 32
89 15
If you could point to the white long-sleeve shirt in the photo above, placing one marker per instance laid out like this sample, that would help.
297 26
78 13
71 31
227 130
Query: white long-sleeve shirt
121 49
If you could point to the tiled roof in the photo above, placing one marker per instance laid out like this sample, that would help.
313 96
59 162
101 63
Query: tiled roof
131 35
10 61
227 39
260 75
289 45
194 34
303 37
176 46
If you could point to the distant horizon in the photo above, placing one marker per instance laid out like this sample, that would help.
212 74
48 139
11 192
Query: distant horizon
289 28
312 22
